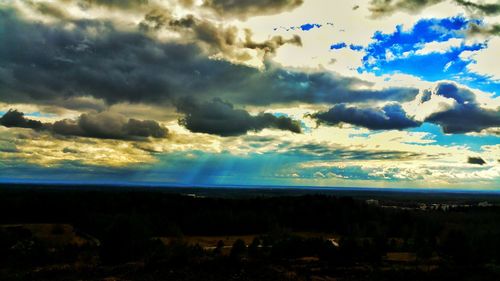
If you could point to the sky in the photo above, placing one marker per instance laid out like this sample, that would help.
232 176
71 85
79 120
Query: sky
359 93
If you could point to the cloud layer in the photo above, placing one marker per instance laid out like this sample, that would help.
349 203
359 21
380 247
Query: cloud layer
386 118
109 125
220 118
106 125
61 63
245 8
14 118
387 7
465 115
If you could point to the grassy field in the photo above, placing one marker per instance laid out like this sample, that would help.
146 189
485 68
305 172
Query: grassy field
54 235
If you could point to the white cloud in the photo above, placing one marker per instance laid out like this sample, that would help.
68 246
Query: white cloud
439 47
349 26
485 61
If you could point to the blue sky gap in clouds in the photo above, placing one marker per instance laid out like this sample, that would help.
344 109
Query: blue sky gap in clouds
397 52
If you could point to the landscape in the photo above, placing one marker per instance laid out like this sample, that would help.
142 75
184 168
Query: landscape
249 140
60 232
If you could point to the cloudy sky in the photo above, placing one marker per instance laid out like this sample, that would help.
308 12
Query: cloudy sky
359 93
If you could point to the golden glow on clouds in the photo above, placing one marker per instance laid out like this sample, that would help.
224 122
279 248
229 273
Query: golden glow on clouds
421 158
45 150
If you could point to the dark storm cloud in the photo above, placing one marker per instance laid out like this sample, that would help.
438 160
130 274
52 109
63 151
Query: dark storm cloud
386 118
465 118
451 90
48 9
225 8
118 4
48 64
466 115
221 118
95 125
248 8
476 160
217 39
486 8
327 153
109 126
271 45
14 118
287 85
387 7
157 19
83 103
475 29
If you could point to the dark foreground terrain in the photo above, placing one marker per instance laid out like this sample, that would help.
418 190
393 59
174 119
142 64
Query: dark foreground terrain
104 233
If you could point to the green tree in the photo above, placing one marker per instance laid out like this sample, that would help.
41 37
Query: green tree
239 249
219 247
253 249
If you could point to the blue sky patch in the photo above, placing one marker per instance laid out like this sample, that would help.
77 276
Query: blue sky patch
355 47
473 141
309 26
398 52
303 27
338 46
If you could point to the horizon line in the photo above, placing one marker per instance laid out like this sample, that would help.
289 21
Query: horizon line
118 184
